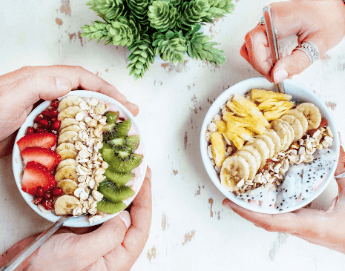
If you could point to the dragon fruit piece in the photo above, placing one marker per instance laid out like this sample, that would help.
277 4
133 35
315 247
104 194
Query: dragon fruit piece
290 188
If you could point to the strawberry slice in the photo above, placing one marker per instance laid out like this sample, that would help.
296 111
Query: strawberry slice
44 140
46 157
36 175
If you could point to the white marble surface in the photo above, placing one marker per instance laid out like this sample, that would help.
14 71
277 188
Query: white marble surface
190 228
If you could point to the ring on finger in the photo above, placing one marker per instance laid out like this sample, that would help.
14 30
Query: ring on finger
310 49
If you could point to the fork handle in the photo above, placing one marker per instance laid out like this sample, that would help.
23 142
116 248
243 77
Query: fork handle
16 261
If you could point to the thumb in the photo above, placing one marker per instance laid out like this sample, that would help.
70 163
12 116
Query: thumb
30 89
290 65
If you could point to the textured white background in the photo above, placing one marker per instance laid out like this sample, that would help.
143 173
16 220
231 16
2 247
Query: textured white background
190 228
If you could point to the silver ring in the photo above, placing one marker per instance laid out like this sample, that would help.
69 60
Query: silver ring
342 175
310 49
262 21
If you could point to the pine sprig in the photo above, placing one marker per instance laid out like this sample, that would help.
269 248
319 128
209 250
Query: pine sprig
168 28
199 47
141 57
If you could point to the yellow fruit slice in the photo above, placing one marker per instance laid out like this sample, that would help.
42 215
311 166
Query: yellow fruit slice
235 168
237 129
221 126
236 109
250 108
218 148
261 95
246 122
238 141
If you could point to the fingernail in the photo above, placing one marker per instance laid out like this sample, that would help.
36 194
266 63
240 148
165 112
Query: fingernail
62 83
126 218
226 203
280 75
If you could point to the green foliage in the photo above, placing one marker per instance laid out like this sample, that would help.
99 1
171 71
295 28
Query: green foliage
170 46
168 28
141 57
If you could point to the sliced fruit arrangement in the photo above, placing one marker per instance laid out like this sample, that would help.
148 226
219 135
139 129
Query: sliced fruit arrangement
39 159
118 151
64 167
252 135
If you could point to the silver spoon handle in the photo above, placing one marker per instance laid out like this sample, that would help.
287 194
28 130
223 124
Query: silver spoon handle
16 261
272 40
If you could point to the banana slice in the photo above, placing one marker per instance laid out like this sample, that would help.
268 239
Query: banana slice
262 148
295 124
281 130
253 152
70 112
65 163
65 204
68 172
68 154
68 186
312 114
67 137
70 100
66 146
250 159
275 139
299 115
68 122
74 128
234 169
290 133
269 143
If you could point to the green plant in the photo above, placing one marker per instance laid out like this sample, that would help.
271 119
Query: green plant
168 28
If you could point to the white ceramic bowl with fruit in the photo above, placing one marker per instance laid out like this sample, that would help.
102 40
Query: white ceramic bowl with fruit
291 191
50 169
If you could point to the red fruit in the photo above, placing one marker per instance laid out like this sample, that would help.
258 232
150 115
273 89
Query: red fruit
38 117
46 113
268 161
266 167
57 191
52 184
30 131
37 200
55 103
47 195
50 159
35 175
40 130
54 112
56 125
43 122
53 119
323 123
47 204
44 140
40 192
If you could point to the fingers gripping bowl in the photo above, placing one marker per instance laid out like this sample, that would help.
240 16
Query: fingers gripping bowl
255 145
71 170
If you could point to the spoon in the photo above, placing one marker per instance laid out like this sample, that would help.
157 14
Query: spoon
39 241
272 40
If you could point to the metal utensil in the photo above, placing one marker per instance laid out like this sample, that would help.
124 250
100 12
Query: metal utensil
39 241
272 40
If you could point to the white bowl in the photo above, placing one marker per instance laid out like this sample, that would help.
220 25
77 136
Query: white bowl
18 166
297 91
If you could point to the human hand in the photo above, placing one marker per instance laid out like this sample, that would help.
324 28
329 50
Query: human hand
21 89
322 22
319 227
110 247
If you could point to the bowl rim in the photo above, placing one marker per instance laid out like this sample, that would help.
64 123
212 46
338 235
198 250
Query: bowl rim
214 176
16 165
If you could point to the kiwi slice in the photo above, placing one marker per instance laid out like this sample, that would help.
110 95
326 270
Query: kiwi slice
118 178
128 143
121 162
110 207
112 117
120 130
115 193
105 146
